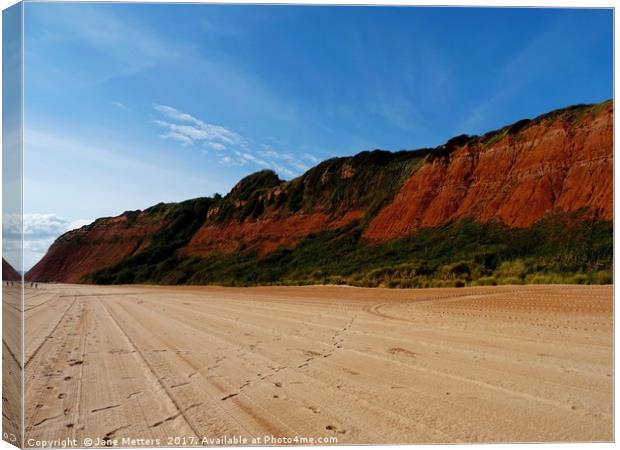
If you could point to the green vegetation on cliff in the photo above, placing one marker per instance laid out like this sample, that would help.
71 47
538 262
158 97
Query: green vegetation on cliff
153 263
559 249
366 181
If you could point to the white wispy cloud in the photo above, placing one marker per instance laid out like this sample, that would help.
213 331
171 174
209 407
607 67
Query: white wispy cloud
286 157
179 137
189 129
119 105
284 170
311 158
233 148
252 158
175 114
216 146
228 161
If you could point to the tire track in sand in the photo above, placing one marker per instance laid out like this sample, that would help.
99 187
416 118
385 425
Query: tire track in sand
180 410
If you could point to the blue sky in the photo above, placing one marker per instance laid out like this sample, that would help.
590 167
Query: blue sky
11 137
131 104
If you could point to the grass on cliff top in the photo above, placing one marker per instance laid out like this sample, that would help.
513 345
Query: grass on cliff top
570 114
366 181
558 249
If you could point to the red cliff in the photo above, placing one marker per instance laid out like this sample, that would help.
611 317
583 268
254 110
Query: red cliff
559 162
9 273
93 247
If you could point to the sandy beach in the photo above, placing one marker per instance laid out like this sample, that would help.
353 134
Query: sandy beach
340 364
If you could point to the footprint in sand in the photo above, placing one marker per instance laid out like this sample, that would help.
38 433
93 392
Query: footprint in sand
314 409
335 429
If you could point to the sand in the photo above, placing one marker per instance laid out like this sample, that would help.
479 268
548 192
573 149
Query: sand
174 365
11 362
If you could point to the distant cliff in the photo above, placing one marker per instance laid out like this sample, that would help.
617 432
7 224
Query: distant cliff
9 273
348 218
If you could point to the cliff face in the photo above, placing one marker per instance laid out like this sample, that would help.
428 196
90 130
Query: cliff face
9 273
269 214
90 248
266 234
561 161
